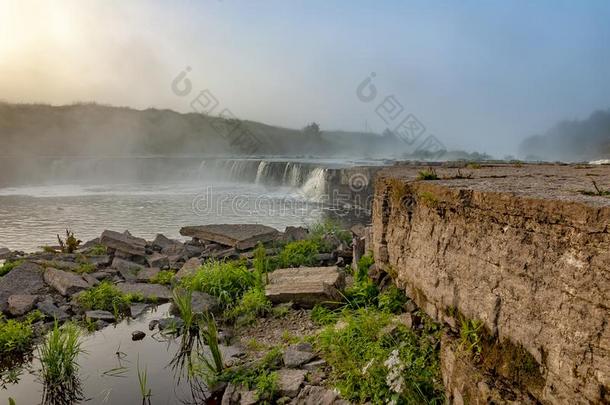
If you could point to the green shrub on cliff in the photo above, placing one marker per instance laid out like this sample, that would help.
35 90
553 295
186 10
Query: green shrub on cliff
369 364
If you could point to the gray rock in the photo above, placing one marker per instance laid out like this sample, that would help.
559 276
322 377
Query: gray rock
100 315
236 395
23 279
66 283
4 253
149 291
126 266
201 303
314 395
295 356
49 308
290 381
189 268
59 264
165 245
99 261
147 274
123 242
158 260
239 236
294 233
306 286
137 335
173 322
21 304
101 275
137 309
314 365
92 281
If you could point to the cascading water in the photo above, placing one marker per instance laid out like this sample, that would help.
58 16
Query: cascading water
315 186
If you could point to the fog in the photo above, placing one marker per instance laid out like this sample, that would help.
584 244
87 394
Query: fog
477 76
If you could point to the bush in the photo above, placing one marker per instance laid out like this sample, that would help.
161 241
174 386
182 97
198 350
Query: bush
329 227
163 277
98 250
362 294
106 297
392 300
226 281
367 365
299 253
8 266
252 304
16 336
427 174
364 264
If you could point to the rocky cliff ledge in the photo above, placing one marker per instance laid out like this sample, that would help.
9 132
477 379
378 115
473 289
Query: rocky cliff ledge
515 260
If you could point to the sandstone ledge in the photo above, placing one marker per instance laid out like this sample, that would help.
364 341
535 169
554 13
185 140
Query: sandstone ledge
521 249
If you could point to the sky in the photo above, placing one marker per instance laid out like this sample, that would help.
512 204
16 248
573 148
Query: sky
479 75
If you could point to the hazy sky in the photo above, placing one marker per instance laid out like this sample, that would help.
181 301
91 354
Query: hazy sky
480 75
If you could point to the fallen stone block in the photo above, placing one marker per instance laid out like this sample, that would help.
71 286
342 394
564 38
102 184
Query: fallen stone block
166 245
147 274
201 303
315 395
297 355
149 291
189 268
239 236
290 381
100 315
123 242
51 310
305 286
23 279
66 283
21 304
158 260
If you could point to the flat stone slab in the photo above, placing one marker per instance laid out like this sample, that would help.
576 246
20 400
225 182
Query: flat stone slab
189 268
157 291
306 286
297 355
158 260
64 282
290 381
21 304
23 279
147 274
100 315
239 236
123 242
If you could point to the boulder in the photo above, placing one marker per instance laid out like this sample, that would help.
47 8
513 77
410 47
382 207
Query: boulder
99 261
297 355
201 303
158 260
314 395
92 281
48 307
189 268
147 274
126 265
290 381
239 236
123 242
21 304
4 253
294 233
23 279
100 315
149 291
237 395
165 245
306 286
137 309
66 283
137 335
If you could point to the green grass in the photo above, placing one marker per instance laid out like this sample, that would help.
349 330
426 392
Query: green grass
470 336
58 354
322 315
329 227
163 277
226 281
392 300
427 174
359 355
8 266
251 305
145 390
98 250
299 253
106 297
364 264
16 336
85 268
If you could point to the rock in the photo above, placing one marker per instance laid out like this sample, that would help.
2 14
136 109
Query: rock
239 236
21 304
340 262
314 395
64 282
92 281
222 254
305 286
410 306
295 356
331 241
314 365
4 253
358 230
235 395
49 308
101 275
89 244
23 279
201 303
137 335
294 233
137 309
165 245
405 319
100 315
99 261
100 324
149 291
126 266
290 381
324 258
189 268
123 242
158 260
59 264
173 322
147 274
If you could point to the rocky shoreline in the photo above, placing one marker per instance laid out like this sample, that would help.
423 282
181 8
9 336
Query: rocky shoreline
53 283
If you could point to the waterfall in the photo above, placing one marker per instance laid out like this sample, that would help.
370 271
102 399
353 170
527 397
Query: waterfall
315 186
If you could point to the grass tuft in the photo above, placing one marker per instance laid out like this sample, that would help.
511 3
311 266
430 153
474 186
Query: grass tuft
106 297
427 174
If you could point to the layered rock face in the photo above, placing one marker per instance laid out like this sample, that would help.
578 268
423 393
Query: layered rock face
524 250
